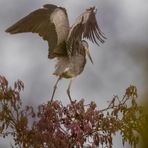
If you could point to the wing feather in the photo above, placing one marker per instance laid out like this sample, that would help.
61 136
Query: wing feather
40 21
86 27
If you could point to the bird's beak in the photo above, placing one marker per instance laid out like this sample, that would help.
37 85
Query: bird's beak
89 56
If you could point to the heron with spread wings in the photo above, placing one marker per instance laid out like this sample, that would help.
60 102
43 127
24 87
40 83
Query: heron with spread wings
66 43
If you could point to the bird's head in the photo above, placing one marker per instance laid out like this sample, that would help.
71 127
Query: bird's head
86 47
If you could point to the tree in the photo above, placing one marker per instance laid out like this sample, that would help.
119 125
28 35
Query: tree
54 125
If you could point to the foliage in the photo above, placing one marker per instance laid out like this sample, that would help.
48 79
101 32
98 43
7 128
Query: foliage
74 125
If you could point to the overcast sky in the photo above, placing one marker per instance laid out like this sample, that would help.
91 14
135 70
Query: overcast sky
121 61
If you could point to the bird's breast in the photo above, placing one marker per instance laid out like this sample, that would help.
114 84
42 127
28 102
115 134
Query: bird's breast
70 67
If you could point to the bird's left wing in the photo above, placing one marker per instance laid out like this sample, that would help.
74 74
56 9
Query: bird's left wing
86 27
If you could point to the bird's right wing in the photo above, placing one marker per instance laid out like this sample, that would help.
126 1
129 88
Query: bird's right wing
45 22
85 26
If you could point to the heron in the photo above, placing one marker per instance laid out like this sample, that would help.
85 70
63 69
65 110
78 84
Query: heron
66 43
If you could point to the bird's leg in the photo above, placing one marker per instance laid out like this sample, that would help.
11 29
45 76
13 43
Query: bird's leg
68 91
55 87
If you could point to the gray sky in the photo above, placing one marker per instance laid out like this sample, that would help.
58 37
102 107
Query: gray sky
121 61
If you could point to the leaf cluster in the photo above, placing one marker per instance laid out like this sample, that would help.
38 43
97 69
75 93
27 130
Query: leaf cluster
54 125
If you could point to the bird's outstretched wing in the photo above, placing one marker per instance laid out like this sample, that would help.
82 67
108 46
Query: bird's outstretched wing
50 22
86 27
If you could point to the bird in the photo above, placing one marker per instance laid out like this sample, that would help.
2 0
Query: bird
66 43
